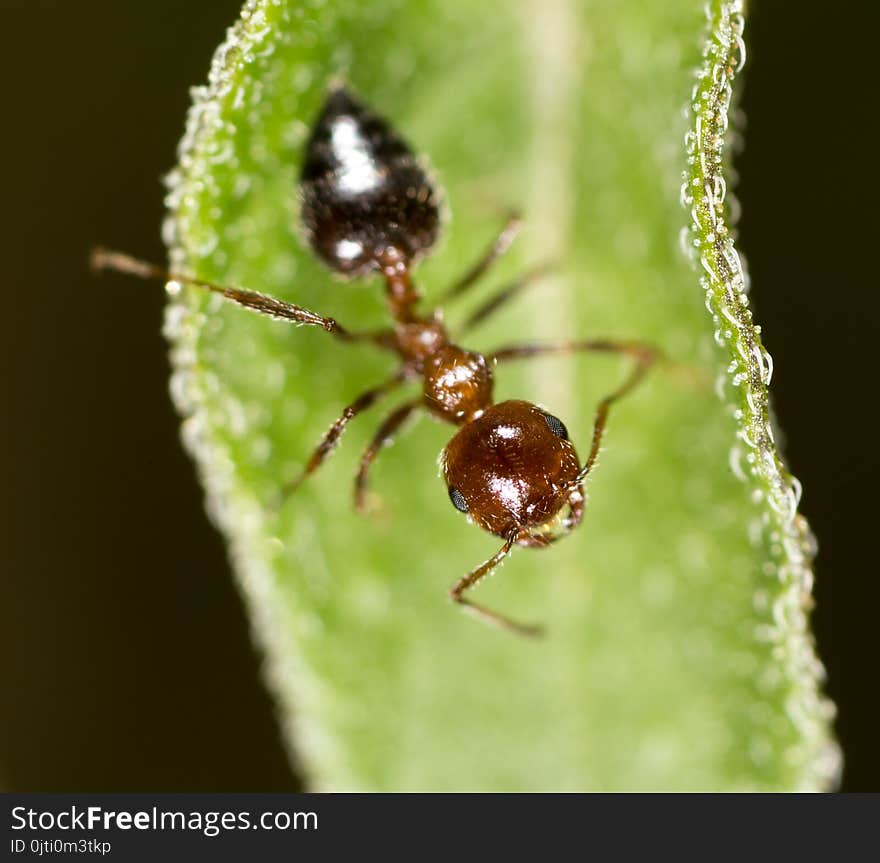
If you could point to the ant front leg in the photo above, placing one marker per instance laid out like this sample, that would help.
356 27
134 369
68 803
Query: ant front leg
466 582
384 436
331 438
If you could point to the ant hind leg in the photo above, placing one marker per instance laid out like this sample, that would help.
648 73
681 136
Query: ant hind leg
499 246
504 296
104 259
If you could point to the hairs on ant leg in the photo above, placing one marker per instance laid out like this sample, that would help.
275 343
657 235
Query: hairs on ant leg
368 206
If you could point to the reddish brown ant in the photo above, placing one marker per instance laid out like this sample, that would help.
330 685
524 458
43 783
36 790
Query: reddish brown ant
368 205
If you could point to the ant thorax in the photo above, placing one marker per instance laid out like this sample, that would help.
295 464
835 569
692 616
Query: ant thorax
457 385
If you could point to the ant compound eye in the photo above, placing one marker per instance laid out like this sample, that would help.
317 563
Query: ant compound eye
457 499
556 426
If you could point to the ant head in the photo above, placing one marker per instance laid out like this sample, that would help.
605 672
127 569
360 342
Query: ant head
365 197
511 468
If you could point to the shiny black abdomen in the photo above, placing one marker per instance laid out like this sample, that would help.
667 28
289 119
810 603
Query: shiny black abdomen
363 190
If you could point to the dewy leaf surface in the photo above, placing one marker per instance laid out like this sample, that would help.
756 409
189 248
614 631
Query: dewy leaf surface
678 655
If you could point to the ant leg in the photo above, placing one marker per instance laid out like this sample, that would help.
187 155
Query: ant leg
501 244
331 438
456 593
502 297
384 437
103 259
644 355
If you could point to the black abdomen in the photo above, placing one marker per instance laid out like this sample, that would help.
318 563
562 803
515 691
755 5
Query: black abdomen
363 191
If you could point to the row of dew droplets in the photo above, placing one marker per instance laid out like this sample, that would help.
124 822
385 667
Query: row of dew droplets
204 404
779 528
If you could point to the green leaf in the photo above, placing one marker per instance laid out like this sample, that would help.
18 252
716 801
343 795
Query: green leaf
678 653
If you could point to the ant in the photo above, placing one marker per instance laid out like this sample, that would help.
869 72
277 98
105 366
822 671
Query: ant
368 206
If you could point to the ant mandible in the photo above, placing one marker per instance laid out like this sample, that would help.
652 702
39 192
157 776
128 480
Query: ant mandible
368 206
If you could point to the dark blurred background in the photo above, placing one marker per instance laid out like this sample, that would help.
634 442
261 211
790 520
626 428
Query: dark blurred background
103 528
